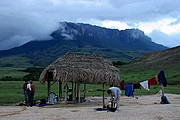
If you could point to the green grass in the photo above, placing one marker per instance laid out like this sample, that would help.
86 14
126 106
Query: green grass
132 73
11 91
13 72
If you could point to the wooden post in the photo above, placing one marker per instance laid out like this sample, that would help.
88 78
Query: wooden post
162 90
79 97
66 86
103 96
50 77
49 84
84 90
60 90
74 92
49 88
66 92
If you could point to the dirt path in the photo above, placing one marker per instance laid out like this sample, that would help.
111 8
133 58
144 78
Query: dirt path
143 108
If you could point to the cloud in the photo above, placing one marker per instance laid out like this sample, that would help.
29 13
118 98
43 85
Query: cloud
165 39
166 26
115 25
25 20
23 24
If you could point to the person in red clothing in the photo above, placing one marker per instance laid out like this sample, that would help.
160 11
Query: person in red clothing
31 90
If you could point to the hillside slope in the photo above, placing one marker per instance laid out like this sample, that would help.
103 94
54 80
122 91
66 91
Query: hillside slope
150 64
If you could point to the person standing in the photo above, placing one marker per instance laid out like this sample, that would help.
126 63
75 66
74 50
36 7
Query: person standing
31 90
25 92
116 93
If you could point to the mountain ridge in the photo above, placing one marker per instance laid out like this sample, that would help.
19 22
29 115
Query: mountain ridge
85 38
122 39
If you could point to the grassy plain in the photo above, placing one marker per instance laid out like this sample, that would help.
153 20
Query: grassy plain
11 91
12 71
139 70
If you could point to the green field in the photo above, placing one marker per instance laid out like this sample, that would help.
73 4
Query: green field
133 73
11 91
143 68
13 72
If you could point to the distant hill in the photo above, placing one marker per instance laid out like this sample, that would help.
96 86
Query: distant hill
150 64
83 38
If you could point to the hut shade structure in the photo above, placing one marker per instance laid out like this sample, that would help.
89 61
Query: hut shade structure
82 68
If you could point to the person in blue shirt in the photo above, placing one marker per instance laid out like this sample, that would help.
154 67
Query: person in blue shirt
115 93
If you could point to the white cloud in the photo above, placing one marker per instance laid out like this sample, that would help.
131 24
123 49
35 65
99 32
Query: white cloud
163 25
38 18
162 38
16 40
165 31
115 25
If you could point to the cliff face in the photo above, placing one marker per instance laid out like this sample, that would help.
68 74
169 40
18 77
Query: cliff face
130 39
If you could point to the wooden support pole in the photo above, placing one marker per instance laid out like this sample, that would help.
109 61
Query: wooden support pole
103 97
66 92
48 87
60 90
79 97
74 92
162 90
84 90
66 87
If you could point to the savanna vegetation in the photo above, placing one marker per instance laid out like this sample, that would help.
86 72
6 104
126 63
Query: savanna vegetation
138 70
11 91
11 85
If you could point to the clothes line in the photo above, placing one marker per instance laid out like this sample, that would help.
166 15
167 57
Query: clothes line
130 88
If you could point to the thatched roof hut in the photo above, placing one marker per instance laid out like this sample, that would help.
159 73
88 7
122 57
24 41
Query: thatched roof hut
81 68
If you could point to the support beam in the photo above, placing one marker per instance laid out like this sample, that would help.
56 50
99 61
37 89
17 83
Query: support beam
49 87
162 90
79 97
72 92
66 92
103 96
50 77
84 90
75 92
60 90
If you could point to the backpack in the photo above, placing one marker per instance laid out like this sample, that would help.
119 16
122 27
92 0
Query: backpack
32 87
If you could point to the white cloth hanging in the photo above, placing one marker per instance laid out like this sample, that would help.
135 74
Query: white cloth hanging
145 85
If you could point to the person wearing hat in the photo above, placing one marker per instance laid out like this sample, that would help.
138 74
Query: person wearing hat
31 90
25 92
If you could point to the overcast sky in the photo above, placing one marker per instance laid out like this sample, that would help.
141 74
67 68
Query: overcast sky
25 20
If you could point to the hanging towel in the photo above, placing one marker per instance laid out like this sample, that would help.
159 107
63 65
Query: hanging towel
129 90
145 85
162 78
136 86
152 81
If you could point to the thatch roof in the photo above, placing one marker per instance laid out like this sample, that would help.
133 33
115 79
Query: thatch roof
82 67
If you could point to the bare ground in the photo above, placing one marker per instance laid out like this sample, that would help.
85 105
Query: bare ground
143 108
